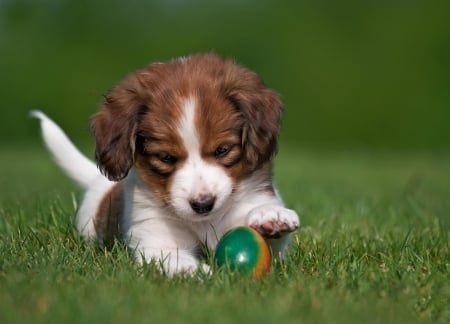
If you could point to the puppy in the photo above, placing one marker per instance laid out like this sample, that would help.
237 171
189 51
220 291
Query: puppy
185 150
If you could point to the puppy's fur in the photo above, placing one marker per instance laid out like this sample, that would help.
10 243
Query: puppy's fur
185 149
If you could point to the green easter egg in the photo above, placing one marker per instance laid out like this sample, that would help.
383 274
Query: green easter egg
244 250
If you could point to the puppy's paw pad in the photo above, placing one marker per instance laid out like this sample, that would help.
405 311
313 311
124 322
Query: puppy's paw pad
273 221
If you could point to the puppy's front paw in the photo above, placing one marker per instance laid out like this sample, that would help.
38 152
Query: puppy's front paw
273 221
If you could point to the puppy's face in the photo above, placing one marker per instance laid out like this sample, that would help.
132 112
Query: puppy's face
192 161
192 128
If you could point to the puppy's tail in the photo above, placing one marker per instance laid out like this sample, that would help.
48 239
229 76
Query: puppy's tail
67 156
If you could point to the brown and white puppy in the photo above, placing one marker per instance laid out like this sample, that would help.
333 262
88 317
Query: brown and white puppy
186 147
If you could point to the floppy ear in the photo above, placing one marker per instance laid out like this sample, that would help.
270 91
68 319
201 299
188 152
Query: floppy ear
115 128
261 109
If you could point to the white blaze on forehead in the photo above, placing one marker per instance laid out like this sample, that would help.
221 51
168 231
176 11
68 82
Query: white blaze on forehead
187 129
196 177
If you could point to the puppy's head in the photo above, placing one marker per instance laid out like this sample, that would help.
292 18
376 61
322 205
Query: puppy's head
193 128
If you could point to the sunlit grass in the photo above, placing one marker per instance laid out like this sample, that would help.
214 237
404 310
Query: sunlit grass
373 247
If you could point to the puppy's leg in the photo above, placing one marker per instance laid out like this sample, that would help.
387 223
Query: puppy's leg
170 261
275 223
172 248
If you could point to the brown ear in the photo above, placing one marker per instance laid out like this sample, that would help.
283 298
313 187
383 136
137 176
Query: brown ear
261 108
115 127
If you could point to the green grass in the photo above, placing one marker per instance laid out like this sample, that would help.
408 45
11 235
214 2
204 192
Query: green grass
373 247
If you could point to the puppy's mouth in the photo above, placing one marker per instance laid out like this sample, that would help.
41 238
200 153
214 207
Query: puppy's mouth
202 209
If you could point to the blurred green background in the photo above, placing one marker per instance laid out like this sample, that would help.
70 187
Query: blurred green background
364 74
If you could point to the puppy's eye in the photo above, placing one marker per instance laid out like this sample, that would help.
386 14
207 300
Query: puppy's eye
221 151
168 159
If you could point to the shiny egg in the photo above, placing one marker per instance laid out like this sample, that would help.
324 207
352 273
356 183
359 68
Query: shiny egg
244 250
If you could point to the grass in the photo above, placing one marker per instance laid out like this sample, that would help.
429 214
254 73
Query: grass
373 247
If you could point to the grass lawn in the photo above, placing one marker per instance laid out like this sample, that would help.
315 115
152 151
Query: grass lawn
373 247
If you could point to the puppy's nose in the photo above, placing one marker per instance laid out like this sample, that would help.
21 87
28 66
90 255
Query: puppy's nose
202 204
